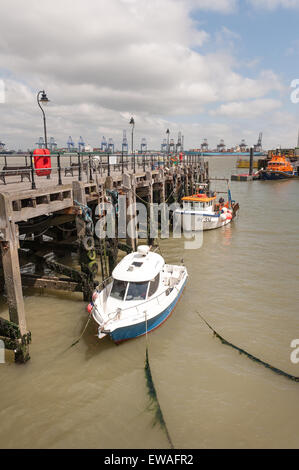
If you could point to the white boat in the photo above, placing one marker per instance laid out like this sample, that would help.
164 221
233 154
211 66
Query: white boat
202 211
140 296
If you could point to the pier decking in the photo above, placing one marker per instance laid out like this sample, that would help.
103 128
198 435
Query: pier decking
56 206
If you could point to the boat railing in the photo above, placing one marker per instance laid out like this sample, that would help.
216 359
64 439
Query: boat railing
119 311
103 284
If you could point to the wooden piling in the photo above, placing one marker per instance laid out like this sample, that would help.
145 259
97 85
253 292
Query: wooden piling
12 276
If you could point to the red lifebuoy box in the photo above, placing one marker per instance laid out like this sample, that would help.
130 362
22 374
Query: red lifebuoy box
42 162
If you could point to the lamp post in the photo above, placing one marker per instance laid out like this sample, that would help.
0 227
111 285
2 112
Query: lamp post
132 123
168 132
43 99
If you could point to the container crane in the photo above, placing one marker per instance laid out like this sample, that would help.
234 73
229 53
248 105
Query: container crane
81 144
41 143
143 145
221 146
70 144
179 143
205 145
52 145
164 146
171 146
259 146
110 145
124 145
243 146
104 144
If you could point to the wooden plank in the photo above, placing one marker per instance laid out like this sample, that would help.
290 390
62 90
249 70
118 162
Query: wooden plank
54 283
50 222
41 209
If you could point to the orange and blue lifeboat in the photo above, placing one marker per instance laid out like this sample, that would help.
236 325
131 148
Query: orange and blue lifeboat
278 168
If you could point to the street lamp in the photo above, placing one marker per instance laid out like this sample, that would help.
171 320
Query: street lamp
168 132
132 123
43 99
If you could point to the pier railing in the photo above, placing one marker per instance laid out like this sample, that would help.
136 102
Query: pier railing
87 166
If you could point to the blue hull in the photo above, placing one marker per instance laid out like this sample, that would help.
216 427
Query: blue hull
275 176
133 331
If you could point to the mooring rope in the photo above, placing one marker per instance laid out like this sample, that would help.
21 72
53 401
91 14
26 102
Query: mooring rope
152 391
253 358
77 340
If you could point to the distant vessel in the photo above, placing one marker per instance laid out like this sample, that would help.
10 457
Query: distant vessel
203 212
246 164
140 296
230 154
277 168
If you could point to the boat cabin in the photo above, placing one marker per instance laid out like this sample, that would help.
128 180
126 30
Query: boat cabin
198 202
137 276
279 163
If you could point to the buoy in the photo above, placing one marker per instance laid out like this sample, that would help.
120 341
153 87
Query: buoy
89 308
42 162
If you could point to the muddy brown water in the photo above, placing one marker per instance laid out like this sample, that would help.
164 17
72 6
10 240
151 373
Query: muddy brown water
244 280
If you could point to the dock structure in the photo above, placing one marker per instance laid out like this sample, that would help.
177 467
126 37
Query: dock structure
43 215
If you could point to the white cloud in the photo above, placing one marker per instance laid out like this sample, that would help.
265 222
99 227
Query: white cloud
101 61
273 4
224 6
247 109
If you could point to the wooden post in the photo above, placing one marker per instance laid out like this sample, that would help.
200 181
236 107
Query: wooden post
85 263
112 242
191 181
59 170
11 268
186 182
150 200
129 187
251 162
79 167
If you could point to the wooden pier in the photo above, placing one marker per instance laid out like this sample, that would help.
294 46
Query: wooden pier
63 207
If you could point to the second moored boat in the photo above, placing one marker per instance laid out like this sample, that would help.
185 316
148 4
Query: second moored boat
201 211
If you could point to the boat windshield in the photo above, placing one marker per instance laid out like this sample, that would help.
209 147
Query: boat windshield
137 291
118 289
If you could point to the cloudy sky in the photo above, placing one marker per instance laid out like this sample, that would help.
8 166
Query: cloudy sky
210 68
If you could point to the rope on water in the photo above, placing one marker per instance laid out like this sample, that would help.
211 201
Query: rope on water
77 340
153 394
253 358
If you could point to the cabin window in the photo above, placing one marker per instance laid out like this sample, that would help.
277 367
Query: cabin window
154 285
137 291
118 289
